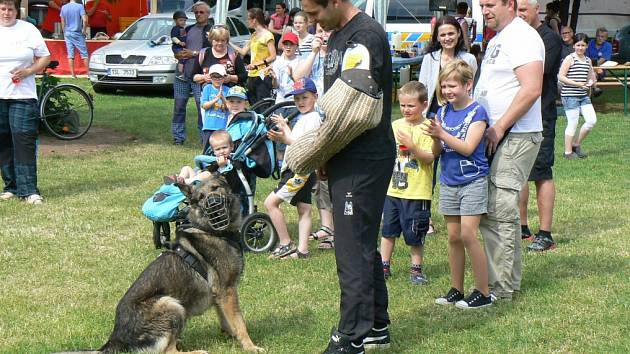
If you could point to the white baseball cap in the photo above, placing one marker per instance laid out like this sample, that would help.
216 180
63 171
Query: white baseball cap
217 69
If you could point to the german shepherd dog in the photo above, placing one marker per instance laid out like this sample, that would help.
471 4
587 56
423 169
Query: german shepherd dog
152 314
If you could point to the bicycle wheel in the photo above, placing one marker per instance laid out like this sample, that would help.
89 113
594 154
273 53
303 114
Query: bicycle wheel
67 111
258 233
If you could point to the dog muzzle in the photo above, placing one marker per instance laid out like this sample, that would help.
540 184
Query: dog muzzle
216 209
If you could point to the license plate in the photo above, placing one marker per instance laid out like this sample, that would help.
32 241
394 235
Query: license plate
122 72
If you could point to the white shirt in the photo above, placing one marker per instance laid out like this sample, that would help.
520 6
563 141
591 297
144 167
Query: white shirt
306 123
285 82
20 44
516 45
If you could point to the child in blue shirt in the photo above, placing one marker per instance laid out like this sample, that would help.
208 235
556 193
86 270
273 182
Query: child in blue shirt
178 37
214 104
458 133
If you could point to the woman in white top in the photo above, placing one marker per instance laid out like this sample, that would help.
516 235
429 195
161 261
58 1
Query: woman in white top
24 54
447 43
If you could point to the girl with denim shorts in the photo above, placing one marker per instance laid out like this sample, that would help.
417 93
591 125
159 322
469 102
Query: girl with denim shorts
577 77
458 133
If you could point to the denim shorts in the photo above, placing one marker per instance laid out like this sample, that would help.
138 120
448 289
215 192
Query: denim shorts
406 216
575 102
466 199
76 40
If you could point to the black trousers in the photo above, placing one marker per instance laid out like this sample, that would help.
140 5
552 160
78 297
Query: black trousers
357 189
258 89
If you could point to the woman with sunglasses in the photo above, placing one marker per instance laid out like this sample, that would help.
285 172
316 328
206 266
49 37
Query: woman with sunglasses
263 52
220 53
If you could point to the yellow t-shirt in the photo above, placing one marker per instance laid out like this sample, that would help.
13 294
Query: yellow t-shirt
259 50
412 179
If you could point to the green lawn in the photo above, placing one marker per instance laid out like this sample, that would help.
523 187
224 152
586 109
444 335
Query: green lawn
65 264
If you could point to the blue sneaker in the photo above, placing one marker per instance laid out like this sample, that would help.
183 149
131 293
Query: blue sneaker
417 278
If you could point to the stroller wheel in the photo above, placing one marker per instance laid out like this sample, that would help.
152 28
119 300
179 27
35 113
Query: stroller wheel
161 234
258 233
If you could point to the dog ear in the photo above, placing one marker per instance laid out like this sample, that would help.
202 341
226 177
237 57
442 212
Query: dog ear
185 188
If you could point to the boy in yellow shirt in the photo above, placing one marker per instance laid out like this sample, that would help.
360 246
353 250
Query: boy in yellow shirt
408 203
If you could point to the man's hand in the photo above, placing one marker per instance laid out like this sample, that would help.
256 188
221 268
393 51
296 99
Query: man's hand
185 54
494 134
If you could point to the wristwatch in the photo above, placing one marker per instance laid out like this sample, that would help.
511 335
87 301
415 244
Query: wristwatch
195 53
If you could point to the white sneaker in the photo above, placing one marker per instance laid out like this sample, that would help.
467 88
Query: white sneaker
6 195
34 199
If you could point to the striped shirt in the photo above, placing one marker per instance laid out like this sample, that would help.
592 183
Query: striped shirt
578 72
306 46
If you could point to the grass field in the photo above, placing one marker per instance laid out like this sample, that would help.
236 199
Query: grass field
65 264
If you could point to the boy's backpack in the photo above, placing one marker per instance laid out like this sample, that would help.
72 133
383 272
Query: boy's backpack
163 205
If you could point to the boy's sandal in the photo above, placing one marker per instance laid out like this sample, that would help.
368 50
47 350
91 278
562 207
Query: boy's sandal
327 244
297 255
325 229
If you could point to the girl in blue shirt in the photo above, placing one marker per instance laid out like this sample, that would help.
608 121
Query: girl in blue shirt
458 133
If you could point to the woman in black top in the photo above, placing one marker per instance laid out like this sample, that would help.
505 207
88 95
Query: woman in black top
220 53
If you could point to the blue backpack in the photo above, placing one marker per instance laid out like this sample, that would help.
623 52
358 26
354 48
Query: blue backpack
163 205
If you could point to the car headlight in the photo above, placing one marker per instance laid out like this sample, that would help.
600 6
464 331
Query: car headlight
97 59
162 60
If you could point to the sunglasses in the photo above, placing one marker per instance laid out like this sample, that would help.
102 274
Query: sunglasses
216 76
199 12
220 25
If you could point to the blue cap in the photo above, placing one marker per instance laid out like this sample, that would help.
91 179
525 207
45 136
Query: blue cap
237 91
302 85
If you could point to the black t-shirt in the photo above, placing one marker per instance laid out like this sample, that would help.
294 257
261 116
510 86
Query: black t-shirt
232 61
553 48
377 143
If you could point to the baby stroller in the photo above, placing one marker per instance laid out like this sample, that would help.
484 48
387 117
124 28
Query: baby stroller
253 156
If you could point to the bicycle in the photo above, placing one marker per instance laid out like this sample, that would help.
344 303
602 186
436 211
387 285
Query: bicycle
65 110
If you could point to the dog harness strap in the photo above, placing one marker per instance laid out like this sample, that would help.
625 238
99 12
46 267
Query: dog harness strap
192 261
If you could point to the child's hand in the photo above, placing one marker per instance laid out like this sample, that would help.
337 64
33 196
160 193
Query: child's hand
279 121
222 161
434 128
277 135
404 138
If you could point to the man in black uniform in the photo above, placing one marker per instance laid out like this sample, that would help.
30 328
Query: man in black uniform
541 173
358 178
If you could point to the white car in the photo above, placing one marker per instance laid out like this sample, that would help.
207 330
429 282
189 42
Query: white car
141 57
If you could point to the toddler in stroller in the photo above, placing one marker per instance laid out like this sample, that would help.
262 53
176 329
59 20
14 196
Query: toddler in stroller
253 156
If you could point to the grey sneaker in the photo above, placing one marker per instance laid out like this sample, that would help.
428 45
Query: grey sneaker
417 278
578 151
571 156
542 244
